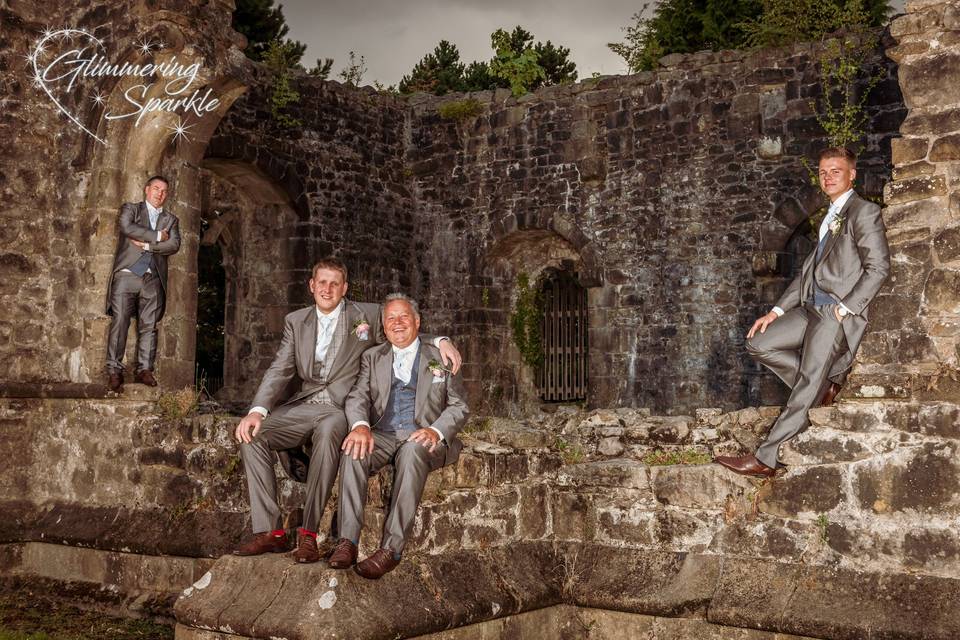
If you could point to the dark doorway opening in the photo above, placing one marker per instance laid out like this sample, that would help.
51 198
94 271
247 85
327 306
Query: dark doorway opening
211 305
563 375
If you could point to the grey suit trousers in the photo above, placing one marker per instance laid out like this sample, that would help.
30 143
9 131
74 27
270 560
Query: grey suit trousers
412 462
800 347
287 427
132 294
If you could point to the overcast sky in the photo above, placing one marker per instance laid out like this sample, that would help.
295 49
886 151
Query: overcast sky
393 35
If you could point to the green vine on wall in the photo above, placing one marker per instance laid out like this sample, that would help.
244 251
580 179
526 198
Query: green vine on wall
278 59
842 113
525 322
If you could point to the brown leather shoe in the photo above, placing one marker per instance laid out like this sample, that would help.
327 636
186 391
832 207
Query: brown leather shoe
747 465
306 551
830 394
145 377
262 543
376 566
344 555
115 382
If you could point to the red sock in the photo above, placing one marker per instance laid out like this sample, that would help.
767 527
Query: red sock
278 533
307 532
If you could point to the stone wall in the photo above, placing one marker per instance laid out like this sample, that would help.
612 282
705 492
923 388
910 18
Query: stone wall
62 189
675 194
343 170
914 348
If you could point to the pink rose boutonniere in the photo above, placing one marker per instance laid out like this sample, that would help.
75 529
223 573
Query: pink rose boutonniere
437 369
361 328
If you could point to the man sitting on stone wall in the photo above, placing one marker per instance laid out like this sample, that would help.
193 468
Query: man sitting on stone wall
321 345
138 284
416 409
810 337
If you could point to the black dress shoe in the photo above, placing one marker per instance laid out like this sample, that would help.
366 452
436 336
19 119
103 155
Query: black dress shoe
747 465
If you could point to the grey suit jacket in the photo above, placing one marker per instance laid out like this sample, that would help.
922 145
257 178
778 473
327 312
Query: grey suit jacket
439 404
135 223
853 266
295 359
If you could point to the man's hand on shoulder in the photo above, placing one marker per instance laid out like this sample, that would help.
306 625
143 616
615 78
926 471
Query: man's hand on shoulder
762 323
249 427
359 443
450 356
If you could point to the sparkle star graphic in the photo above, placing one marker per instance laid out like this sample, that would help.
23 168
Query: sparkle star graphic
98 97
180 131
145 46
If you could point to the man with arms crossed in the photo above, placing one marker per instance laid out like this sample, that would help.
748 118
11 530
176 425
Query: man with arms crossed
416 409
810 337
322 345
147 235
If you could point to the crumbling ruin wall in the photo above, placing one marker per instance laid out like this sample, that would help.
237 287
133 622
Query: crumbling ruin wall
62 188
676 192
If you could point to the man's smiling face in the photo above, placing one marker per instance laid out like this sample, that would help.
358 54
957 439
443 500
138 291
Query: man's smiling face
328 288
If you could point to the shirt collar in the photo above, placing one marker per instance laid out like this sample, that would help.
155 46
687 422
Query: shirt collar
333 315
410 348
153 210
842 200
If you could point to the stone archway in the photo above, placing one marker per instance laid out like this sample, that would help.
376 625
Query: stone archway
252 220
133 152
520 260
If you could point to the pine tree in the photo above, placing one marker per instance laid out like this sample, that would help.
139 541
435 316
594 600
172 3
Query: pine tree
262 23
556 64
439 72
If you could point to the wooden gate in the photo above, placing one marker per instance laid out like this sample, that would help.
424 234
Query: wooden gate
563 375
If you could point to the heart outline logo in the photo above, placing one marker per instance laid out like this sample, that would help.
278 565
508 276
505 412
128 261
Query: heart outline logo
40 80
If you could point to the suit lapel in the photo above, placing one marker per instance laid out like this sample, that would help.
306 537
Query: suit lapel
831 238
307 345
383 369
348 315
424 380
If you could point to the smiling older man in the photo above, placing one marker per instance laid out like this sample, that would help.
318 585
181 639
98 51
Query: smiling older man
322 345
416 408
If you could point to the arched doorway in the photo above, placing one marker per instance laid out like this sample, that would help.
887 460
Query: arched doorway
562 375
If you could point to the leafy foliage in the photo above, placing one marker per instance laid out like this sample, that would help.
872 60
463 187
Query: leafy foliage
460 110
322 68
439 72
262 24
353 73
842 112
683 26
518 67
784 22
279 59
518 64
525 322
687 26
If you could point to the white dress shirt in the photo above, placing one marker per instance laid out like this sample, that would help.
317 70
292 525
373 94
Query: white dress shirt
326 325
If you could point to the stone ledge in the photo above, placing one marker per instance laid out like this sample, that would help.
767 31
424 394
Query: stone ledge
430 595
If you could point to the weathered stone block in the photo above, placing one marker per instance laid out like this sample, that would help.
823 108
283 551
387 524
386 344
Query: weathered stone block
907 150
811 490
922 479
947 244
942 292
915 189
697 486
